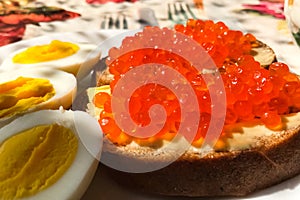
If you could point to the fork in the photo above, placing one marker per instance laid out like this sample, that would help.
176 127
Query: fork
179 12
111 21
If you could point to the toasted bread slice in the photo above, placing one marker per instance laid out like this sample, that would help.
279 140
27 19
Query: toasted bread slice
263 53
253 159
272 160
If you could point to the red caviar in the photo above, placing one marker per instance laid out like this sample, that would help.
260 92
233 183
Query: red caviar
252 92
101 98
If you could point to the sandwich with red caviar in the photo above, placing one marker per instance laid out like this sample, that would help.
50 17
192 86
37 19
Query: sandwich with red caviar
258 143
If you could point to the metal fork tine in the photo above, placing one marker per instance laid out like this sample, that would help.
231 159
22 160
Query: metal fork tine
110 22
181 8
174 13
176 10
190 11
125 24
170 16
179 12
103 23
117 22
114 22
182 11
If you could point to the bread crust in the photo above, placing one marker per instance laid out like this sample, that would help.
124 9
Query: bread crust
263 53
229 173
272 160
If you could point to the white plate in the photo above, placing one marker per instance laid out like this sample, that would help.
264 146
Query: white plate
102 187
95 37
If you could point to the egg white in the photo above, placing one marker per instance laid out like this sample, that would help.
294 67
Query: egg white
79 64
64 83
77 178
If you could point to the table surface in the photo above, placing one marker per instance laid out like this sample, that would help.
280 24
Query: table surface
273 31
267 28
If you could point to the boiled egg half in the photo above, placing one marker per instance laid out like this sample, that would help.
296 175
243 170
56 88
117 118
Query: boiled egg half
27 90
49 154
75 58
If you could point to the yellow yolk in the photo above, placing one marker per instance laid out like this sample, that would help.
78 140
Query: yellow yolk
35 159
22 94
42 53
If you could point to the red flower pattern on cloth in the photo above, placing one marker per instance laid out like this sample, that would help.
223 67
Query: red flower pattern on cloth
105 1
14 18
274 9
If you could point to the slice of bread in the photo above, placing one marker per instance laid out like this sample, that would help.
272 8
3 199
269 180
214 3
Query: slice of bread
271 160
254 158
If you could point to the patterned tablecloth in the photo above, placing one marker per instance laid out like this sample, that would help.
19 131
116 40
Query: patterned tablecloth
238 14
92 15
267 24
267 28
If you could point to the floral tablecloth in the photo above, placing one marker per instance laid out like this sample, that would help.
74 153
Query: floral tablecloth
262 18
272 30
245 15
89 16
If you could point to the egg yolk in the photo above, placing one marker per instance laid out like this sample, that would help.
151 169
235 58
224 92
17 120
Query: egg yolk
35 159
22 94
42 53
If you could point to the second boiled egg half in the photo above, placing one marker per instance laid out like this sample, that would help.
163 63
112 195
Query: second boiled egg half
27 90
75 58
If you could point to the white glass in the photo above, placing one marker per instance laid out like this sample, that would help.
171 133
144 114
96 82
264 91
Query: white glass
292 14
